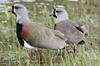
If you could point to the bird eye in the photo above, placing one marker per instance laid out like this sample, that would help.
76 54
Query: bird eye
16 7
58 11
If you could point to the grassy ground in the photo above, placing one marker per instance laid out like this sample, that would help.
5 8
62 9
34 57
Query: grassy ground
87 13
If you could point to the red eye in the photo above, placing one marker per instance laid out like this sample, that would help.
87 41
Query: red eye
16 7
58 11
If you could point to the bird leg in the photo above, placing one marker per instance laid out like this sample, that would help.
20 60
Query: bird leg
40 56
31 55
39 52
74 49
66 48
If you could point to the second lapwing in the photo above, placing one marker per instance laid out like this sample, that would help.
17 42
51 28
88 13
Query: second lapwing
73 31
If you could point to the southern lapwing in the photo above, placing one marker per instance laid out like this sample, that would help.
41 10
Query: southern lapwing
73 31
32 34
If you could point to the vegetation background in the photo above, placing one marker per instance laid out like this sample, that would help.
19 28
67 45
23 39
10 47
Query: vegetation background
85 12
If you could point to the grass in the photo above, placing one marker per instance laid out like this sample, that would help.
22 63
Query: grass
12 54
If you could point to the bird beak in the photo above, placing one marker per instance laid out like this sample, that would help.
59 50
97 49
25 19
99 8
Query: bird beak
9 11
51 15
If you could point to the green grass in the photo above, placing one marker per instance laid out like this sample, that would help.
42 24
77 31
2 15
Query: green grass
12 54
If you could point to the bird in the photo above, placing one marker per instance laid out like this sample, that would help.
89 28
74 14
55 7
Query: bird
35 35
75 33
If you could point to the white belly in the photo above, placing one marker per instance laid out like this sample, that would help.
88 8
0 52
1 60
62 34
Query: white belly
27 46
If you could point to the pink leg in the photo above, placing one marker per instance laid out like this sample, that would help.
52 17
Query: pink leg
66 48
31 55
39 52
40 56
74 49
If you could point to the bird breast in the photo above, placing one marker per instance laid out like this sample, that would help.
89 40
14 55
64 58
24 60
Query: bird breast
26 32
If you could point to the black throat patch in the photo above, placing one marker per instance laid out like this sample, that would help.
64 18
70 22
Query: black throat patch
18 31
13 10
54 13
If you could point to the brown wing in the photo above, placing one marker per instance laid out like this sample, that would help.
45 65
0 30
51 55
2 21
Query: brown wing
70 32
43 37
80 27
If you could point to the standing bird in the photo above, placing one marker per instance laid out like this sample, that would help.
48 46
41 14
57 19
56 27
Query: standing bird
73 31
31 34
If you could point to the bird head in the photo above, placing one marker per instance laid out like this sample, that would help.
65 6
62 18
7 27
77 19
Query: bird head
60 14
57 12
20 11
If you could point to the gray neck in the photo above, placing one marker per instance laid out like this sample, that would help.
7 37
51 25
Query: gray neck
61 18
22 18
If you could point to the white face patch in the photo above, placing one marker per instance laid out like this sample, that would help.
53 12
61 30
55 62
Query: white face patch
14 10
27 46
61 17
21 13
56 14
